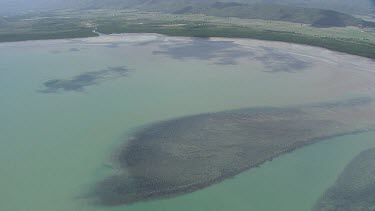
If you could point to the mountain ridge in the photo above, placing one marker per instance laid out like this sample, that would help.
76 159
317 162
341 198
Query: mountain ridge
315 17
346 6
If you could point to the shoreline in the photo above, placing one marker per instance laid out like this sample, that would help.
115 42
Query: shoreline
99 34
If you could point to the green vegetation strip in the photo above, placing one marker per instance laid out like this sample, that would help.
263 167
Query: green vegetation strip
351 46
14 37
61 25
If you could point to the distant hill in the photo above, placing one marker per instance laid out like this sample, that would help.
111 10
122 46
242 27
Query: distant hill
258 9
346 6
226 8
315 17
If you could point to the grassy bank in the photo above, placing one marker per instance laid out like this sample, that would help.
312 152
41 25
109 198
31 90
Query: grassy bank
59 25
351 46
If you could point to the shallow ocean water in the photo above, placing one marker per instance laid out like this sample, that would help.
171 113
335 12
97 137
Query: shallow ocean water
66 105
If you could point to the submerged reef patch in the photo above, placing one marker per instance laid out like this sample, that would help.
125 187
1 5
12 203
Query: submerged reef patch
276 61
225 52
354 189
74 49
228 52
189 153
79 82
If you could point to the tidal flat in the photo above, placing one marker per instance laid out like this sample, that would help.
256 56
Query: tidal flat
69 106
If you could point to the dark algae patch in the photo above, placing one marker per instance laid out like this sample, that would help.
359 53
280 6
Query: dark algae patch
186 154
228 53
79 82
354 189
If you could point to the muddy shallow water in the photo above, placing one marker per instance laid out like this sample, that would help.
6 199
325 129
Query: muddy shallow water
67 106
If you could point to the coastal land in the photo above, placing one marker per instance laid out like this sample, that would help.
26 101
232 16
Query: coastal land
352 39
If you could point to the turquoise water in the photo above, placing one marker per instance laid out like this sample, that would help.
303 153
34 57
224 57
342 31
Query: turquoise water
55 146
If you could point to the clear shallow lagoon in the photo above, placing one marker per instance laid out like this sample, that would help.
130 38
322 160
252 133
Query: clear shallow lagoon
66 105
